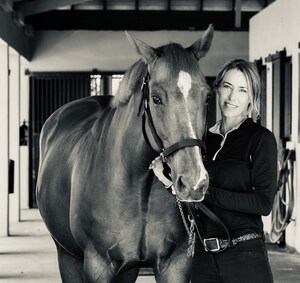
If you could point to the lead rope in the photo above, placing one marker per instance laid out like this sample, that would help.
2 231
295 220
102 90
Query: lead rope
190 230
157 167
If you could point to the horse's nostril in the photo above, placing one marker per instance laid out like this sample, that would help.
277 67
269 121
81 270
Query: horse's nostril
205 183
182 186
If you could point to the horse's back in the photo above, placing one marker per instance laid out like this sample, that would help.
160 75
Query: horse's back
71 120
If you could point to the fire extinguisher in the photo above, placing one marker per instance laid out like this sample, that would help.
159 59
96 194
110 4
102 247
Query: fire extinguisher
24 134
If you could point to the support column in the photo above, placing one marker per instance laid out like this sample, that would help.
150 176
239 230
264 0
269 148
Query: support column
267 220
4 140
296 138
106 85
269 96
14 126
24 150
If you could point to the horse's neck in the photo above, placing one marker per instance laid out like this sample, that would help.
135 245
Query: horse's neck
133 133
126 135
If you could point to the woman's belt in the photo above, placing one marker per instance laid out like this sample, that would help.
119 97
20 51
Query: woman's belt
215 244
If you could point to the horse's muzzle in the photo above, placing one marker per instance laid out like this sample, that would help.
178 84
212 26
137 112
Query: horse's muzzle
186 193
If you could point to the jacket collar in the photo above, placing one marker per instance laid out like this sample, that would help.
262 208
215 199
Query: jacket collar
216 129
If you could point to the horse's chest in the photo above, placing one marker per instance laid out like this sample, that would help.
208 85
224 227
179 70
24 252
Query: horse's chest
135 237
144 242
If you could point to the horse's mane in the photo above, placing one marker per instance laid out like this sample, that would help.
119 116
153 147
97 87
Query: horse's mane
175 56
130 84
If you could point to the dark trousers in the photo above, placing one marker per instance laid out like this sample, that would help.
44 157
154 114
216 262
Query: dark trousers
246 262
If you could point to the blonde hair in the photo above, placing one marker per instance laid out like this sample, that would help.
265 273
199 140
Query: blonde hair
253 79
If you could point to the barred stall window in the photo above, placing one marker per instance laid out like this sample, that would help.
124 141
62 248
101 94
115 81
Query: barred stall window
95 85
116 79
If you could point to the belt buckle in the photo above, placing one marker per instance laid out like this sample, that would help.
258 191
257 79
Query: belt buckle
211 244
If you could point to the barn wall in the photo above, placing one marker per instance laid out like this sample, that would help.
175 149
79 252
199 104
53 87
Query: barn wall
274 29
111 51
4 140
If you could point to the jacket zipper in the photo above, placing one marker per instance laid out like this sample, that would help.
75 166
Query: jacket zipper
222 144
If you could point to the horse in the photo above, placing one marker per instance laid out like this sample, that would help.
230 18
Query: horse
107 212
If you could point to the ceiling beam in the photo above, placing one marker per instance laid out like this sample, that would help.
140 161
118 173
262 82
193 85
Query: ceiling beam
6 5
136 20
169 5
24 9
238 13
14 36
40 6
266 3
201 5
232 5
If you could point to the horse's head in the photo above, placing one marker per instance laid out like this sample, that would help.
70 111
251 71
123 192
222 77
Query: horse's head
177 103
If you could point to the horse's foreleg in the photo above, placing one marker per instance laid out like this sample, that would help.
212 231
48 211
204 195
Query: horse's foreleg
176 271
129 276
97 269
71 268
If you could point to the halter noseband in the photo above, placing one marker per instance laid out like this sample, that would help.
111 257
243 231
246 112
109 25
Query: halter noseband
164 153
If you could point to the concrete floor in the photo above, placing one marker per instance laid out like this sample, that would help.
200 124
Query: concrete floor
29 255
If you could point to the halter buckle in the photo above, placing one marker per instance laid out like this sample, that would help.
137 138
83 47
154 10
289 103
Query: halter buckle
162 156
143 83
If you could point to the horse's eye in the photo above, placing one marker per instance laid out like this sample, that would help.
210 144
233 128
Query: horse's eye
156 99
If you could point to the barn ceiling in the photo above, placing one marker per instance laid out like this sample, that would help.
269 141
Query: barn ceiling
132 14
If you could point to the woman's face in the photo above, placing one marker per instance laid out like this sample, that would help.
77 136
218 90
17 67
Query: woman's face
234 97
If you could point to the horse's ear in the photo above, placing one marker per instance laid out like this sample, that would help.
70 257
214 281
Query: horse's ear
200 47
147 51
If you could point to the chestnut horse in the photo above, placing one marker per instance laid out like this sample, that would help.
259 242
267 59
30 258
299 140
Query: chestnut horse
106 211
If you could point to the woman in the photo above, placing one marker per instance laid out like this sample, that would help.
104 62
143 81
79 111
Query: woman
241 160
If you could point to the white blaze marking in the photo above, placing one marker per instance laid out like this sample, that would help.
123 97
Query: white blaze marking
185 84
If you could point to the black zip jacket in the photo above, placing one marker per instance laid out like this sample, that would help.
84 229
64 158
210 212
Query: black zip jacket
243 175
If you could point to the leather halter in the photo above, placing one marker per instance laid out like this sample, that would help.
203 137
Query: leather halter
176 146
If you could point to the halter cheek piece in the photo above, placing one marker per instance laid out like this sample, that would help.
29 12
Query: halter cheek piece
164 153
